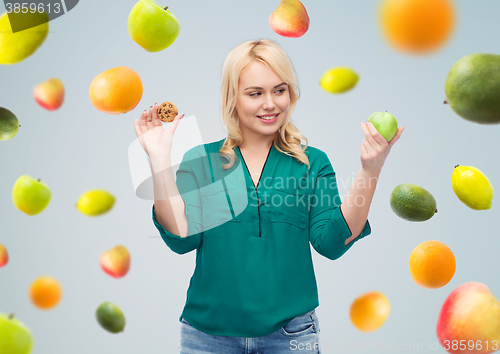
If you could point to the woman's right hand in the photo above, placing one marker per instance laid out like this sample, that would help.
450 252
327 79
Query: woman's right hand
154 139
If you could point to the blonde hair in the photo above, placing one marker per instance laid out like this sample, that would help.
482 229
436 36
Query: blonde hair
272 55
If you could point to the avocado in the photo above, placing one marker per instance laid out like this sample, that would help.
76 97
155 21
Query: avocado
472 88
412 203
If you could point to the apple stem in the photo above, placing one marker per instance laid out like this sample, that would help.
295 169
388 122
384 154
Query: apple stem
166 7
456 166
11 316
19 124
445 102
39 180
436 211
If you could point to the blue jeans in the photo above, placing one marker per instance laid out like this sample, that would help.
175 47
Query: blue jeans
300 335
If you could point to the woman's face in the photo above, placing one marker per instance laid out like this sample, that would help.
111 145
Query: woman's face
261 93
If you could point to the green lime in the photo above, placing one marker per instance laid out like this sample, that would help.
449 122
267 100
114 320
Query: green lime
110 317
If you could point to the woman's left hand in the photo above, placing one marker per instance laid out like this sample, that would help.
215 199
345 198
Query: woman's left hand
374 148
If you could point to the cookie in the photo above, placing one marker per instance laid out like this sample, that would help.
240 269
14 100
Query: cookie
167 111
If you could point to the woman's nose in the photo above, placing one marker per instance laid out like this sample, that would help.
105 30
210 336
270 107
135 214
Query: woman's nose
269 103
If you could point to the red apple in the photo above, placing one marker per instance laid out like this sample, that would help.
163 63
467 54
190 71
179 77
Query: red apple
50 94
469 321
4 255
116 261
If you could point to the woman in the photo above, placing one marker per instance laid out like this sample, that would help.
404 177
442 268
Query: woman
252 220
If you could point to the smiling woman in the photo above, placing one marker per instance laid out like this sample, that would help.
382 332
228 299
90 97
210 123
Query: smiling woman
252 234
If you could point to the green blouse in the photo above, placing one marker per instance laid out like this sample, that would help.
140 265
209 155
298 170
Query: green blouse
254 271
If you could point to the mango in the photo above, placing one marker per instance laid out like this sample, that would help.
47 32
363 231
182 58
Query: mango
9 124
472 88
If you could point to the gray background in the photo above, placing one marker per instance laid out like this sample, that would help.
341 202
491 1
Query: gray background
78 148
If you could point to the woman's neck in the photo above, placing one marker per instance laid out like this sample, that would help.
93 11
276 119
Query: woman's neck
256 147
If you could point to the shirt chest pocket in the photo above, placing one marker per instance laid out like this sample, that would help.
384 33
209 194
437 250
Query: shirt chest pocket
217 202
289 205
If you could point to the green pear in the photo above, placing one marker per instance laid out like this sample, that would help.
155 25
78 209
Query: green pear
15 47
30 196
15 337
385 123
472 88
152 26
9 124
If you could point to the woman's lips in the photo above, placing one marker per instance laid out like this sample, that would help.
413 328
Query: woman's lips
269 120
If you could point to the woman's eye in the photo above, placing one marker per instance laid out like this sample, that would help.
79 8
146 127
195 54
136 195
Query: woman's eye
258 93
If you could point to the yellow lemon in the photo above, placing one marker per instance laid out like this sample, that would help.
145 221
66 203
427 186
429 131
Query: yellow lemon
472 187
95 202
19 45
339 80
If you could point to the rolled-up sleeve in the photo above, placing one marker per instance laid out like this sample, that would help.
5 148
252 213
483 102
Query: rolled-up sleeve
328 229
189 191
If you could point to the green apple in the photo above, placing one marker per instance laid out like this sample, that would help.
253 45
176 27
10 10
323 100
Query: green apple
9 124
30 196
385 123
152 26
15 337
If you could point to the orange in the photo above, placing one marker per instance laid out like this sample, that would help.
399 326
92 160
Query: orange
369 311
116 90
432 264
45 292
417 26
